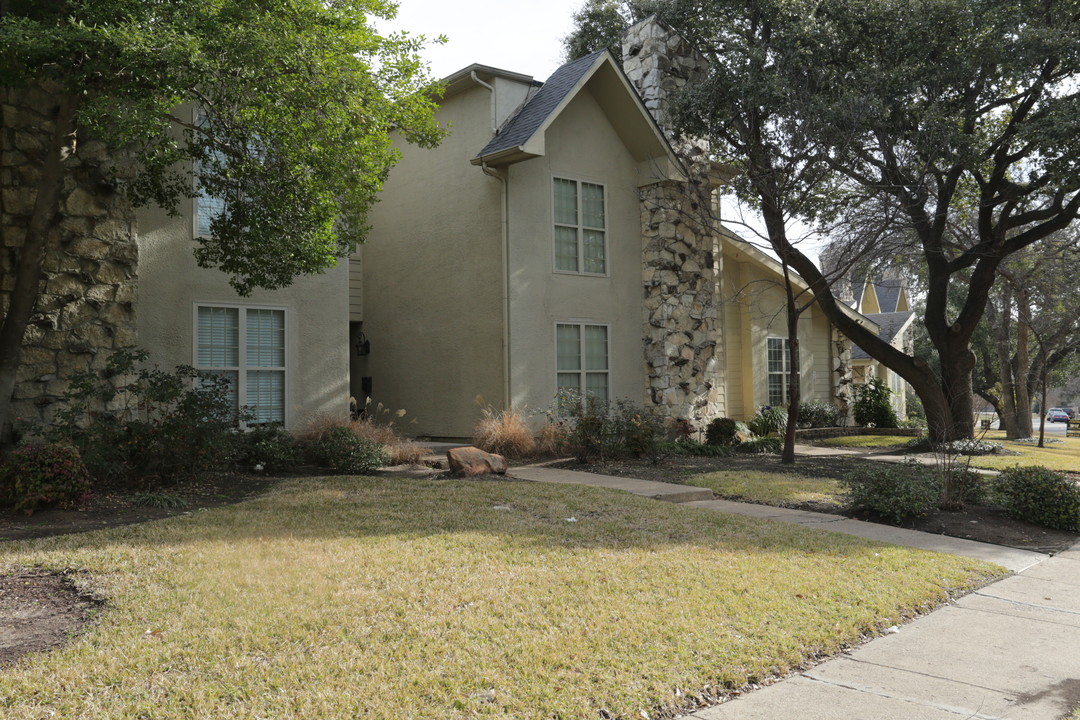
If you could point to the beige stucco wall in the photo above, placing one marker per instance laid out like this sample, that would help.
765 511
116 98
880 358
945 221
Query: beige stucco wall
316 375
754 303
433 280
580 145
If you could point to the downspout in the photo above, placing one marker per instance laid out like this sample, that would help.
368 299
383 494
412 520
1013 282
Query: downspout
491 90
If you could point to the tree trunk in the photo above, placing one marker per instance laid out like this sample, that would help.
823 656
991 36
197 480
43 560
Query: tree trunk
1006 364
794 377
24 294
1022 407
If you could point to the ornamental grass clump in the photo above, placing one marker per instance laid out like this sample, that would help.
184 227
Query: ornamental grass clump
768 420
1038 495
39 475
504 432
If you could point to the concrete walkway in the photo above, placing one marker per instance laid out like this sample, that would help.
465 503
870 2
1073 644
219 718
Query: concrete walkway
1008 651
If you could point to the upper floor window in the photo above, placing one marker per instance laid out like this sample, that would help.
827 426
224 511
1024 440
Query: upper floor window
207 207
580 227
779 367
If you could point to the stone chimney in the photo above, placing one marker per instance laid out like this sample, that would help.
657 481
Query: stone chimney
681 258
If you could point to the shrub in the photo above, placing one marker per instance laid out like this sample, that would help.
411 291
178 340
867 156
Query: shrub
873 404
599 429
270 449
721 431
341 449
894 491
814 414
38 474
136 423
969 485
761 446
1040 496
768 420
550 439
504 432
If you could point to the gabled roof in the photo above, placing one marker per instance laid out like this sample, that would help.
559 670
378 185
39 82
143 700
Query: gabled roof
523 135
888 293
891 324
540 107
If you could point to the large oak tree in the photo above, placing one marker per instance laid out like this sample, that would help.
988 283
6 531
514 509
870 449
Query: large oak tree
942 113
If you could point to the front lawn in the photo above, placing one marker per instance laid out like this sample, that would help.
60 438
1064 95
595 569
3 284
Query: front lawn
392 598
1063 456
772 488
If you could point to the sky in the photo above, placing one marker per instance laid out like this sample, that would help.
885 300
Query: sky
516 35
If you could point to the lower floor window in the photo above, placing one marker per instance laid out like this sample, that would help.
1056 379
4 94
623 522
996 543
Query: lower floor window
779 366
246 346
582 358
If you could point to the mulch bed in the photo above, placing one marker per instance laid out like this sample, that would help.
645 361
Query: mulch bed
984 523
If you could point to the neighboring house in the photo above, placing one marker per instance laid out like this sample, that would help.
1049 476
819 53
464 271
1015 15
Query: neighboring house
556 240
885 302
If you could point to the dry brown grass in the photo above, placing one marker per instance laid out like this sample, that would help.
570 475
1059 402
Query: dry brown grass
378 598
375 428
550 439
504 432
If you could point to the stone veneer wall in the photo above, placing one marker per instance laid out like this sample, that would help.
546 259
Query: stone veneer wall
681 253
88 287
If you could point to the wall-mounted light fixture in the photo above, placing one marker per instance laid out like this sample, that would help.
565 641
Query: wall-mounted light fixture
363 345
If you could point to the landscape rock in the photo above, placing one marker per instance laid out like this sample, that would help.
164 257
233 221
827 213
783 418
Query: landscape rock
469 461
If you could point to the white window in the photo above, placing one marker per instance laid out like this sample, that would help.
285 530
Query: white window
582 358
206 207
580 229
779 366
247 347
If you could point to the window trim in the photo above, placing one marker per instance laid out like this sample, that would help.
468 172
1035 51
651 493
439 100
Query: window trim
242 367
579 229
785 374
582 372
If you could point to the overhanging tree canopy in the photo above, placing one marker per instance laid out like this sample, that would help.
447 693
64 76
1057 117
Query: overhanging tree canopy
299 97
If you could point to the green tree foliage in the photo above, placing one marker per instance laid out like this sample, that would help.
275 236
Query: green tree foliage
298 99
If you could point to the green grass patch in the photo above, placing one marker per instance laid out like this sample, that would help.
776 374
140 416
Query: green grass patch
385 598
767 488
865 441
1063 456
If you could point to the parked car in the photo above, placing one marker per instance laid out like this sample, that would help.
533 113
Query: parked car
1057 415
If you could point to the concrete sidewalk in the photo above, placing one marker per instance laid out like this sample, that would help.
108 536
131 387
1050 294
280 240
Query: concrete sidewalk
1010 650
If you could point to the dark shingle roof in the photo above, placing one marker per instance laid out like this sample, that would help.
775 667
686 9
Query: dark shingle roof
890 324
888 294
524 125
